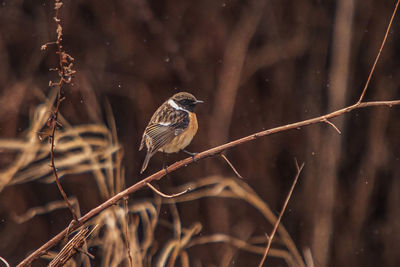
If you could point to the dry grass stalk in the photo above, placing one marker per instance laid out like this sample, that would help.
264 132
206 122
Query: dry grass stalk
52 206
81 148
71 248
216 186
139 244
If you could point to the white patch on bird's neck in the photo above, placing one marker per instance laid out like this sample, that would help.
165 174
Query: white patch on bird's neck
173 104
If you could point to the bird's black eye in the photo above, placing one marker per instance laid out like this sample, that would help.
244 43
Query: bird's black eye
187 104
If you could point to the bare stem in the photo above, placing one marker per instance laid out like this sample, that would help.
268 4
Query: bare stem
271 237
379 53
64 72
126 232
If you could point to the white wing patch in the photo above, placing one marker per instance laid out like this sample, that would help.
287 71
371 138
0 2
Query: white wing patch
175 106
164 123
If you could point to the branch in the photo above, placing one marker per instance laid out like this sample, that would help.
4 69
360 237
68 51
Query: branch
205 154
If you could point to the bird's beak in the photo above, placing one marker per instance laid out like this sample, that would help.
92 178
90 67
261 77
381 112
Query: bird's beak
199 102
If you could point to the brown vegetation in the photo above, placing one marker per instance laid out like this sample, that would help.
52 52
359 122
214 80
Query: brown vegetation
256 64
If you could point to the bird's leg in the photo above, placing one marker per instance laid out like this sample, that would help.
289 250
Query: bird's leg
191 154
164 165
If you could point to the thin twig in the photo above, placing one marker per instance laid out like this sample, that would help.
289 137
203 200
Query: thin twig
241 244
231 165
176 243
126 232
334 126
379 53
5 262
280 215
158 192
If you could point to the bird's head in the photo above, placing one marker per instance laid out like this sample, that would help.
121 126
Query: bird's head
186 101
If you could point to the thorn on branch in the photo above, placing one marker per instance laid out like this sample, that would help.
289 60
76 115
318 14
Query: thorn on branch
43 135
52 121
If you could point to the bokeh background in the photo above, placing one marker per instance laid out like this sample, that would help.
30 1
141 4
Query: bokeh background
256 64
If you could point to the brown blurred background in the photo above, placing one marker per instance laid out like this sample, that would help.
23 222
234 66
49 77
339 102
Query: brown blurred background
257 65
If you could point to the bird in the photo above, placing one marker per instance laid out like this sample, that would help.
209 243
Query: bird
172 127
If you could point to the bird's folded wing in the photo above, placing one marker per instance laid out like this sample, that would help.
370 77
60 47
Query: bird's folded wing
161 133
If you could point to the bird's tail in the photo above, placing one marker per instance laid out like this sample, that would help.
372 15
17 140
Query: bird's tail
146 161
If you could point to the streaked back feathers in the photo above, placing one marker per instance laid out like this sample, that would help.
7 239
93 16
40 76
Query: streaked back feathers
172 126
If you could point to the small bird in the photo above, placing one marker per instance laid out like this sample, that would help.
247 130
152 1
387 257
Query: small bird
172 126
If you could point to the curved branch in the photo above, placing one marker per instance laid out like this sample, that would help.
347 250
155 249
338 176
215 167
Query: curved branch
202 155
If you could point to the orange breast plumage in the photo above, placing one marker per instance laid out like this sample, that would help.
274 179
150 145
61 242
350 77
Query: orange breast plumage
182 140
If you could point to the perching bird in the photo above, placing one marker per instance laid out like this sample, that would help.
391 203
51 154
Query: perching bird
171 127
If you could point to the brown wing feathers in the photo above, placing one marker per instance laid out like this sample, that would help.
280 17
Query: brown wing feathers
165 125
